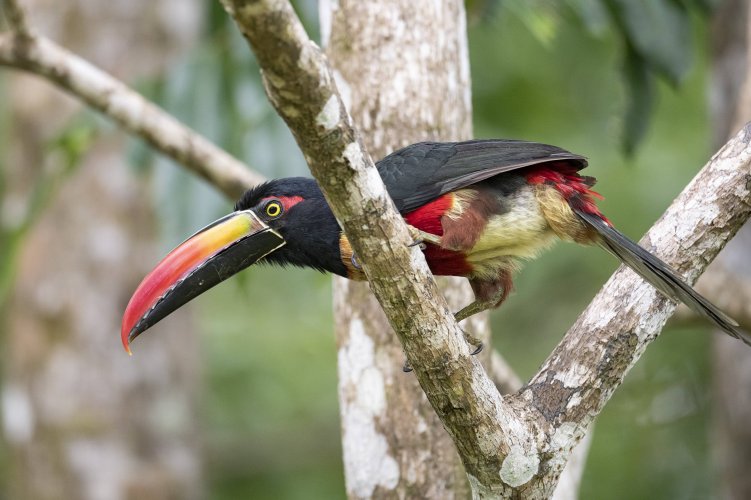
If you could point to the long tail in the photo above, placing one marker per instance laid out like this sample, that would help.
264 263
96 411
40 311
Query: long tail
659 274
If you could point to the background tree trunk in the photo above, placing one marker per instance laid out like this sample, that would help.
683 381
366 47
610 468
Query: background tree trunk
731 108
81 419
403 70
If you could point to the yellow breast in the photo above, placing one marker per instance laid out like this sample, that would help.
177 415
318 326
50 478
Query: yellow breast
522 231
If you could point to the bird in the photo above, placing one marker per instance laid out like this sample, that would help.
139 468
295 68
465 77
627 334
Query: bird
476 208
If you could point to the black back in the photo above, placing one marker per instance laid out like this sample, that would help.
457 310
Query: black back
424 171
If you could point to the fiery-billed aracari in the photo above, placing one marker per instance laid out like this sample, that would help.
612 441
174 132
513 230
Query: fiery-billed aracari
478 208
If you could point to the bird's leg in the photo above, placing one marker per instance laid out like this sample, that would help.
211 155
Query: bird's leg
419 237
488 295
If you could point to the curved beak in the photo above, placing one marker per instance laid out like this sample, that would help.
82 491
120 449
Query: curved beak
213 254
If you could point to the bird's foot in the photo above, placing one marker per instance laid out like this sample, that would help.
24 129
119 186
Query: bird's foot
475 307
420 237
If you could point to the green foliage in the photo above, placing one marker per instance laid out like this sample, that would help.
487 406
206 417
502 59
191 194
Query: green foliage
657 43
640 99
658 32
655 39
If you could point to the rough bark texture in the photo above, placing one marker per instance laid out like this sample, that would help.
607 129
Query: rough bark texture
130 110
80 418
729 277
398 93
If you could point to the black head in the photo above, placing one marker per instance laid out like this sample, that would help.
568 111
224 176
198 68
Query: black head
296 208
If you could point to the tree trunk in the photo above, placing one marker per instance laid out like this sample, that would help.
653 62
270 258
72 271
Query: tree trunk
81 419
731 108
403 67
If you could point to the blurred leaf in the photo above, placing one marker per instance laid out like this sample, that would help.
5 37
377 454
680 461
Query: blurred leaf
640 97
593 15
703 6
73 142
659 31
541 17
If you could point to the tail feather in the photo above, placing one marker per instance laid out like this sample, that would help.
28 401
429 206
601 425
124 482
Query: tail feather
659 274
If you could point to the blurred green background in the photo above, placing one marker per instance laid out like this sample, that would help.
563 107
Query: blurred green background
270 413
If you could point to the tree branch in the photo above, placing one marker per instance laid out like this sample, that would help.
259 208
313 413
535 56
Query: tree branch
129 109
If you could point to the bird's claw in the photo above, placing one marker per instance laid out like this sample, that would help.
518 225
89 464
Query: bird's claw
478 350
420 238
406 368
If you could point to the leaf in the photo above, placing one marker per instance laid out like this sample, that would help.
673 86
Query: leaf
659 31
592 14
541 17
640 97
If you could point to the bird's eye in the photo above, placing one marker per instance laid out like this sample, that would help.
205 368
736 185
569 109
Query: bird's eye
274 209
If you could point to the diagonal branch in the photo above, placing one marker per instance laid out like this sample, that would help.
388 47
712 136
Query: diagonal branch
129 109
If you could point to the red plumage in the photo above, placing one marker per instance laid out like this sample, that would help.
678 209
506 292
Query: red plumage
570 184
427 218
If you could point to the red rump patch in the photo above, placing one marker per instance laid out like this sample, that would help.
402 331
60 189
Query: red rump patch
287 201
574 188
428 218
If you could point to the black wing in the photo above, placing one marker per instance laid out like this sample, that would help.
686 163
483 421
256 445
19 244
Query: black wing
424 171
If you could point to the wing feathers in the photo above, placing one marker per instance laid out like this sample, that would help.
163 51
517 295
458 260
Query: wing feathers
424 171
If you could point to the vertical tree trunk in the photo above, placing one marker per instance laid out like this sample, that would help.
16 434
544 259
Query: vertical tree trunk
403 67
80 418
731 107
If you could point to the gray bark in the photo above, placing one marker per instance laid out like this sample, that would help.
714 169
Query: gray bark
80 418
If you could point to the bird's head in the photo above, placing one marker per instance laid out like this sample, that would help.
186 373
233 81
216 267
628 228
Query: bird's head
283 222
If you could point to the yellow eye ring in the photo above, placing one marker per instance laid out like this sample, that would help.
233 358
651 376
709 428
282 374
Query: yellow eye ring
273 209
